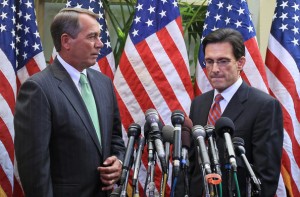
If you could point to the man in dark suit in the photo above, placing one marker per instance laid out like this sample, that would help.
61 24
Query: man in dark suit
256 115
61 148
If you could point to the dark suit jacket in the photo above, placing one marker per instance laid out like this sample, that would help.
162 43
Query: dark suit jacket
258 120
56 145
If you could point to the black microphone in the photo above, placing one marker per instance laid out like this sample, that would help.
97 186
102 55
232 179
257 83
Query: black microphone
138 159
186 141
224 127
177 119
199 135
240 151
212 148
168 134
152 119
134 131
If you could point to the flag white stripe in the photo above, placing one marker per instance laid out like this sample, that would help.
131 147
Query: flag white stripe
178 41
281 191
295 171
40 60
128 99
111 61
286 100
286 59
147 81
252 73
8 71
202 80
23 74
168 69
6 164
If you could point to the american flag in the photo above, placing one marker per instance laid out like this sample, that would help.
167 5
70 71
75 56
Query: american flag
154 69
21 55
232 14
105 62
282 68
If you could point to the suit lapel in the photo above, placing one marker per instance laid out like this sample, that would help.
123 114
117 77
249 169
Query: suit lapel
204 110
97 84
69 89
235 106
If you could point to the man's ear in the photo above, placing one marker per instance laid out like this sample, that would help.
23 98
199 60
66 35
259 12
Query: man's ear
65 41
241 62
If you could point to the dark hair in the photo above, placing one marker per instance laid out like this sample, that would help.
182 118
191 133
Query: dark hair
232 36
66 21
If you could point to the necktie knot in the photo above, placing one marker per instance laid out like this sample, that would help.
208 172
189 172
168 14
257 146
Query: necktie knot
83 79
218 98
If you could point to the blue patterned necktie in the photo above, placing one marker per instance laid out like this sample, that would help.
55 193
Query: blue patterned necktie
88 98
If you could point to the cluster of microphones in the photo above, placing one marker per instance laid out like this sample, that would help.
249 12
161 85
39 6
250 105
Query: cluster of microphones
159 140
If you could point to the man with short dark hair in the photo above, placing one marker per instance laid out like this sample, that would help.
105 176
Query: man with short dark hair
256 115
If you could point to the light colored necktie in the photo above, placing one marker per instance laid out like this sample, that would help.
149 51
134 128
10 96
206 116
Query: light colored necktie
88 98
215 110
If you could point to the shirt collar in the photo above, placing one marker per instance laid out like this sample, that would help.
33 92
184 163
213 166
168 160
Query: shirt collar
230 91
74 73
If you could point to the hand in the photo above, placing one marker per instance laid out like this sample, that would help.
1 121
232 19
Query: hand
110 172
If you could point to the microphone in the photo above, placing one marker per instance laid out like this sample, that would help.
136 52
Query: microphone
152 119
240 151
199 135
225 128
134 131
212 148
168 134
137 163
186 141
177 119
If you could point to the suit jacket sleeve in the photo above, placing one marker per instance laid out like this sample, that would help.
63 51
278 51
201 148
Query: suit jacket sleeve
117 147
32 136
267 143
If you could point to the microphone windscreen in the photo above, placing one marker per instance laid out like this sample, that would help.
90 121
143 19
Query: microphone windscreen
151 116
198 131
147 128
168 133
238 141
134 130
186 132
238 145
223 125
210 131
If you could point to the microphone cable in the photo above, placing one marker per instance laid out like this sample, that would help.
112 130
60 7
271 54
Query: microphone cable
163 184
173 186
237 184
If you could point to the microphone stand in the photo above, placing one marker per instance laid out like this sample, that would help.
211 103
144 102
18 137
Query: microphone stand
206 188
137 166
151 167
124 185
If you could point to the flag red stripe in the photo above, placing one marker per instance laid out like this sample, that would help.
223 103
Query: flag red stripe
176 58
5 184
105 68
140 95
7 92
288 125
32 67
136 87
253 50
18 191
158 76
124 113
284 76
7 140
287 165
245 78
